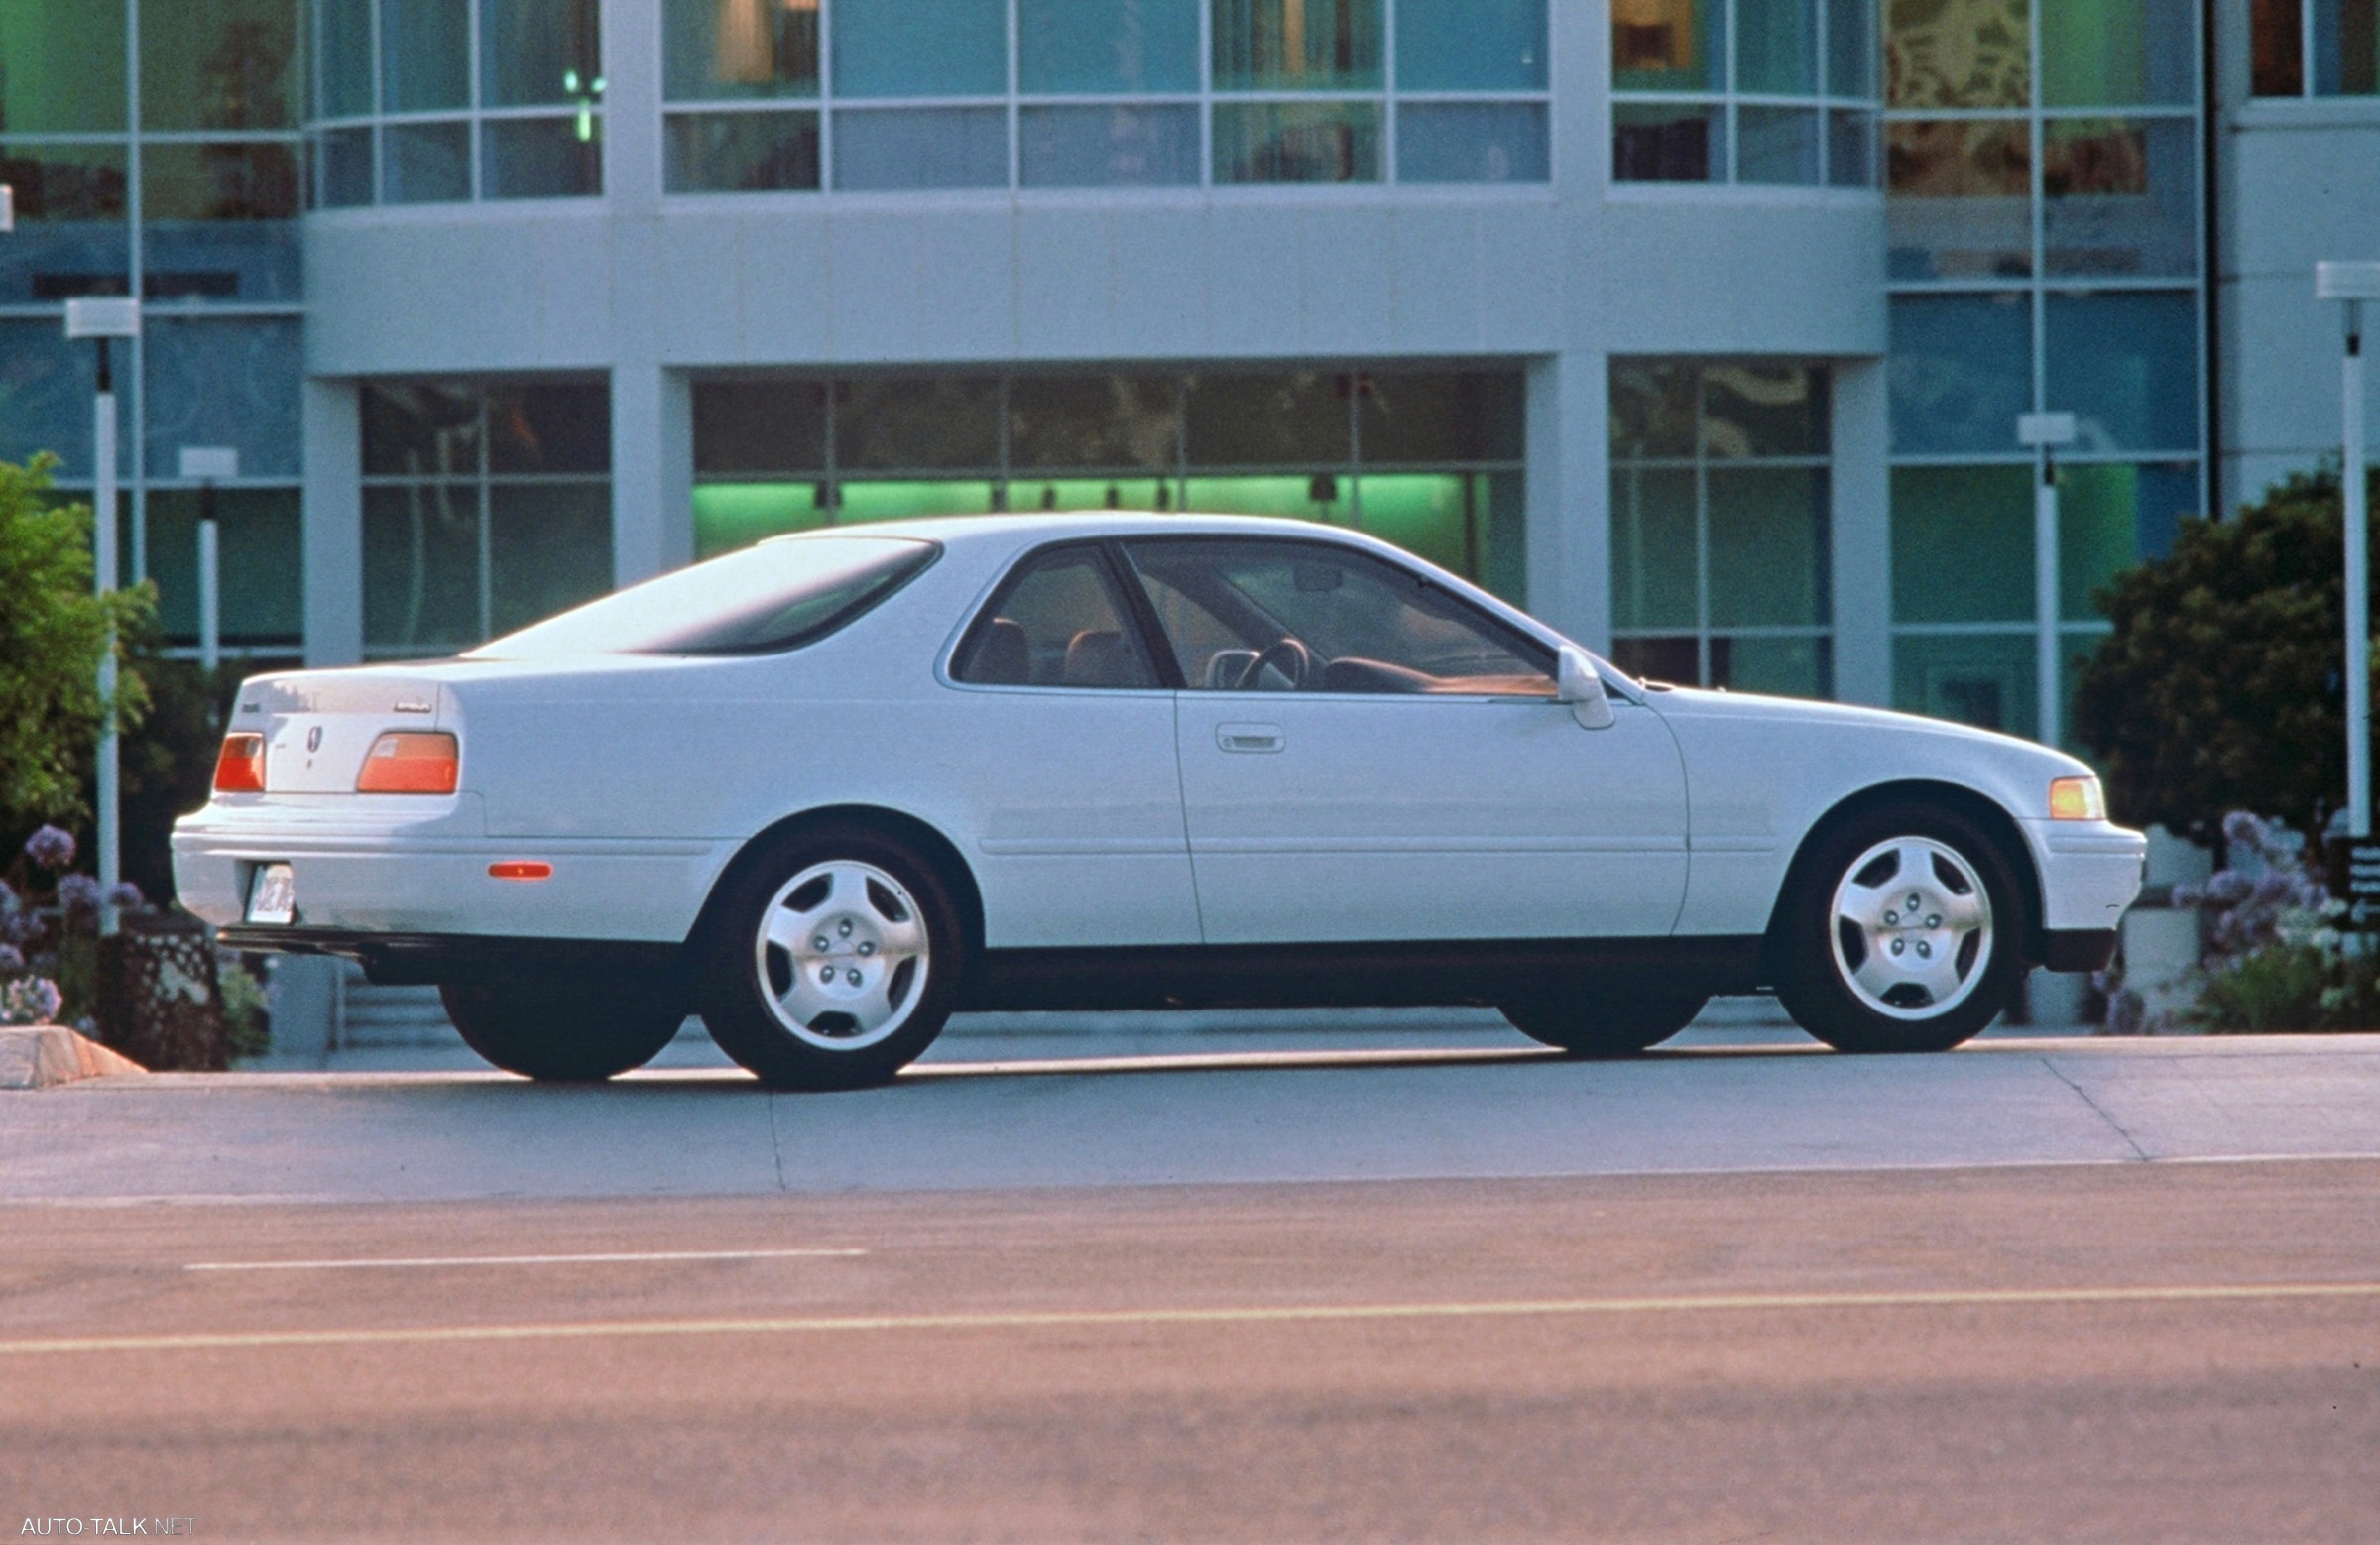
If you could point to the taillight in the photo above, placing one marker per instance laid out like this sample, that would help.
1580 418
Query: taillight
410 761
240 766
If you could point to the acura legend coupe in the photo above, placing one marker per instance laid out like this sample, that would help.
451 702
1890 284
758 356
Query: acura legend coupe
828 791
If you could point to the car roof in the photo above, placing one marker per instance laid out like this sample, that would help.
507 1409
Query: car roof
1006 529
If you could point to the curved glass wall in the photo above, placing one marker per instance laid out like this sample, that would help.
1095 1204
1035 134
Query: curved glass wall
1743 91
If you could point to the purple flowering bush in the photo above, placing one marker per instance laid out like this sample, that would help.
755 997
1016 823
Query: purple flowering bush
2275 959
49 932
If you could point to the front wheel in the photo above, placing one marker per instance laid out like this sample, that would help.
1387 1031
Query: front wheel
1903 934
1603 1021
558 1030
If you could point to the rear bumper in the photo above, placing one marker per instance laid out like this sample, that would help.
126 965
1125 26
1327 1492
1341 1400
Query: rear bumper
392 959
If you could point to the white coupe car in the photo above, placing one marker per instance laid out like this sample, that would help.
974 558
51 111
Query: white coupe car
830 790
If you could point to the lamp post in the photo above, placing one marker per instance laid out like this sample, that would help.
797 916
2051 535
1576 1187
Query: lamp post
2354 283
2044 433
206 463
100 321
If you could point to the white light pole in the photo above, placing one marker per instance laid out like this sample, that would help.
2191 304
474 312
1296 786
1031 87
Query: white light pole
8 209
102 319
2045 432
207 463
2354 283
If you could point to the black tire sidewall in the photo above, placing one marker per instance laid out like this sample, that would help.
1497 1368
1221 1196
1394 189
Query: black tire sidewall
728 992
1812 985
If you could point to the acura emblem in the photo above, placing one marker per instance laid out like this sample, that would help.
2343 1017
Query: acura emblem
313 738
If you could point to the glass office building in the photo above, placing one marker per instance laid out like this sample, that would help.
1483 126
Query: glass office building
1699 326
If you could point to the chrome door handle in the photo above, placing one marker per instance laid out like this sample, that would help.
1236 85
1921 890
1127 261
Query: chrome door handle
1249 737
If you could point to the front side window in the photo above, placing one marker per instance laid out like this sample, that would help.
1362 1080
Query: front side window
1057 623
1291 616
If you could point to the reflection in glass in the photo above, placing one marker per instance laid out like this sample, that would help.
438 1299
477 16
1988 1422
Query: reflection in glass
1776 145
1470 45
46 386
1113 422
903 423
1653 560
2111 517
1108 147
1776 47
740 152
2117 52
1471 142
229 382
717 50
1653 409
540 52
420 428
916 148
1667 142
539 157
427 163
1675 658
1296 45
1471 525
1957 53
549 426
64 66
1759 410
1982 680
1668 44
1768 547
221 221
1961 371
1851 149
760 427
258 562
223 64
1297 142
921 47
1780 667
70 237
1289 417
2277 47
425 54
1851 47
549 548
1439 417
342 168
1960 199
343 57
1963 543
2347 48
2126 364
2120 197
422 568
1107 45
728 515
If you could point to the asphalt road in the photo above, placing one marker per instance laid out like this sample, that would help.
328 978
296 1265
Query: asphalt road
2082 1352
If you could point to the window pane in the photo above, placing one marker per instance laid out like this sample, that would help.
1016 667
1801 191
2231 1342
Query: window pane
2346 49
1961 371
222 221
1297 142
1327 497
760 427
742 153
1653 549
46 386
538 51
64 63
2127 366
1776 47
1851 47
1850 150
70 237
1958 199
1095 423
342 168
2116 52
1058 626
1675 660
549 548
420 428
921 47
343 57
1764 411
1984 680
1470 45
2120 198
1473 416
2110 518
1296 45
550 426
2278 46
258 562
1107 45
1776 146
1255 420
713 50
540 157
425 54
1668 143
426 163
228 382
1963 545
1669 44
1957 53
223 64
1781 667
1109 147
1442 517
1471 142
915 148
421 566
728 515
1652 409
897 425
1768 547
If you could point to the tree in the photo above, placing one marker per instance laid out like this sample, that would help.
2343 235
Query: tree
54 632
2222 685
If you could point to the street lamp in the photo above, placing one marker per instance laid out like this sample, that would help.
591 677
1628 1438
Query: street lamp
2045 432
207 463
2354 283
102 319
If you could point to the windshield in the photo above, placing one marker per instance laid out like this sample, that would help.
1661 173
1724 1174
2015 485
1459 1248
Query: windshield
778 595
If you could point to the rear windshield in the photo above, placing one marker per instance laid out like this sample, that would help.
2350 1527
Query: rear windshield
778 595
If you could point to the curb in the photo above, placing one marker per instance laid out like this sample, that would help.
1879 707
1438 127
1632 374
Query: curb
44 1055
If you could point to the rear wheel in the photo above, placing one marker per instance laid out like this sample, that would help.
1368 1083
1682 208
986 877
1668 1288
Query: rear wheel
831 961
1601 1020
563 1030
1902 934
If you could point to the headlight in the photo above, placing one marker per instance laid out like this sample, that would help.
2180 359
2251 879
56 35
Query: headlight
2077 799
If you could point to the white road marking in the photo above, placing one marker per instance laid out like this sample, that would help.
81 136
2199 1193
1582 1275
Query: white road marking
392 1263
580 1330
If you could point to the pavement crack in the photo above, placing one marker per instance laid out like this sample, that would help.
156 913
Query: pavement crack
777 1146
2097 1110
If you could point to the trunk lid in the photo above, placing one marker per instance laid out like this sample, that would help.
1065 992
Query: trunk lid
319 726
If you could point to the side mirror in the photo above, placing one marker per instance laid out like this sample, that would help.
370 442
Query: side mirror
1578 683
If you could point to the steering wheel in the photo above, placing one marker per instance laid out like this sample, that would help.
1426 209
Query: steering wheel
1284 655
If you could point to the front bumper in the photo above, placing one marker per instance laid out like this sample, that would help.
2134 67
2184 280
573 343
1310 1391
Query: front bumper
2091 872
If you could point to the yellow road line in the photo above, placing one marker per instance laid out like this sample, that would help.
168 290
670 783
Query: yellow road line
1243 1315
619 1258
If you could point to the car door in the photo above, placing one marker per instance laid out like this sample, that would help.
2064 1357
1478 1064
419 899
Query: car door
1365 755
1065 733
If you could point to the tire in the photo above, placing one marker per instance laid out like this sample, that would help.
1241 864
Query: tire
565 1030
831 960
1598 1021
1863 971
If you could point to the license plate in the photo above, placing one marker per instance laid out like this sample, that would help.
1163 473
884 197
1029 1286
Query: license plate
273 894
